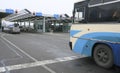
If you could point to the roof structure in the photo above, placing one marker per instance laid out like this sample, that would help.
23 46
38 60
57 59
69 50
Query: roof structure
6 12
26 15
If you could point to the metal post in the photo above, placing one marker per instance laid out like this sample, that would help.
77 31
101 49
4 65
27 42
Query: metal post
20 23
54 24
0 23
24 24
44 24
29 23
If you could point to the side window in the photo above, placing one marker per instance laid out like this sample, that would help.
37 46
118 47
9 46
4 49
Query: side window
78 15
108 0
92 2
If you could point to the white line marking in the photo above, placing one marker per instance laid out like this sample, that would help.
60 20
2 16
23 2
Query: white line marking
12 49
47 68
39 63
2 36
50 70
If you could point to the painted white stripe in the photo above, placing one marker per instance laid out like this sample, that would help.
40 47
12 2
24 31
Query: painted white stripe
100 4
47 68
2 36
38 63
12 49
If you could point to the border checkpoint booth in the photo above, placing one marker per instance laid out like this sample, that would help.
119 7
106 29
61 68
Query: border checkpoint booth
37 19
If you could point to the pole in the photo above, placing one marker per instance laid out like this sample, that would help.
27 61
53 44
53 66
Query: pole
44 24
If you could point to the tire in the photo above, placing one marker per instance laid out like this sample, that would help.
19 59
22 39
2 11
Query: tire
103 56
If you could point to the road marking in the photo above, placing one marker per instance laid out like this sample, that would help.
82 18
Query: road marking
2 36
39 63
47 68
11 49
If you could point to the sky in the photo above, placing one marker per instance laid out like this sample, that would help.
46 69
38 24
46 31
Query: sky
44 6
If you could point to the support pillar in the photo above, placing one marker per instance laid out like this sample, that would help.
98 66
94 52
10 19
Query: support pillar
29 23
24 24
0 23
44 24
20 23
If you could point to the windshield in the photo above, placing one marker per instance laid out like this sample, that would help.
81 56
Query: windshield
16 25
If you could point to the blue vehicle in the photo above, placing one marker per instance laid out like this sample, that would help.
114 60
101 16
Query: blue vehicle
97 39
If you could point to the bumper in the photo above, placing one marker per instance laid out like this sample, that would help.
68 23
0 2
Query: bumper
70 45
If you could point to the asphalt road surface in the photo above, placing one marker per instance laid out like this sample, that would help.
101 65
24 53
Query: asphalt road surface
43 53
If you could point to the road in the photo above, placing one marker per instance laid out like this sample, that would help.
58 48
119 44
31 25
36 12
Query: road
43 53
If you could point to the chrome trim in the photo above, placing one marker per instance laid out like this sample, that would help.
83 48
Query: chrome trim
97 40
100 4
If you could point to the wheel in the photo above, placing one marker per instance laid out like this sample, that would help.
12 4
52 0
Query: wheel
103 56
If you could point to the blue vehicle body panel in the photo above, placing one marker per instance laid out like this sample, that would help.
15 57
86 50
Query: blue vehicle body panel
73 32
116 53
85 43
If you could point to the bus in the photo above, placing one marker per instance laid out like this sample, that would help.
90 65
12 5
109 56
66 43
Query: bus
10 27
95 31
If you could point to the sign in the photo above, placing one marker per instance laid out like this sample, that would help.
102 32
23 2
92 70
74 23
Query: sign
38 14
56 16
9 11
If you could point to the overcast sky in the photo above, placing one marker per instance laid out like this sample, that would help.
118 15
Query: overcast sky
44 6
